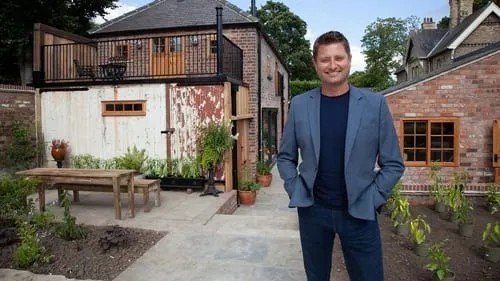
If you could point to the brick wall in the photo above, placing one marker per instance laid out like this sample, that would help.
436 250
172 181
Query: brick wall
470 93
246 39
17 103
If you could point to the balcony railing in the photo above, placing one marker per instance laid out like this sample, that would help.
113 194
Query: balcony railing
193 55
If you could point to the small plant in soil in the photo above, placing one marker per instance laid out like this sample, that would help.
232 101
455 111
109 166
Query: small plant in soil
491 235
419 228
438 262
493 198
113 237
68 229
30 250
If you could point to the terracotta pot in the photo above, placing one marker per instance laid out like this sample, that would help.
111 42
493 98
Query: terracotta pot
247 197
58 154
265 180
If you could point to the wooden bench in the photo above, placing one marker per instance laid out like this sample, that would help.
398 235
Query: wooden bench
144 186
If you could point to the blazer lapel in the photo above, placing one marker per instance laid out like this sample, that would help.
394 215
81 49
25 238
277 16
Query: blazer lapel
353 120
313 108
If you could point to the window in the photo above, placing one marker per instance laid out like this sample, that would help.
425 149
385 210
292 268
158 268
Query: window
175 44
159 45
424 141
121 51
213 47
124 108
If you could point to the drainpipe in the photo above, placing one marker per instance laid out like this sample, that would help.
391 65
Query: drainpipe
253 9
259 95
220 45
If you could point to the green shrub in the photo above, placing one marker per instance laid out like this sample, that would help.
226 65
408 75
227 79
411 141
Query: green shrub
42 220
132 159
68 229
438 261
22 151
298 87
85 161
29 251
13 196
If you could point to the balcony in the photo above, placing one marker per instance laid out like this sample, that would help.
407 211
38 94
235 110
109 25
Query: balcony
170 58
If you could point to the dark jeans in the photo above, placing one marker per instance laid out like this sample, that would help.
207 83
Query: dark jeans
360 240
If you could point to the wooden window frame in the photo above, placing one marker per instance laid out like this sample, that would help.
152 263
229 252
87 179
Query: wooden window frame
132 112
429 121
119 53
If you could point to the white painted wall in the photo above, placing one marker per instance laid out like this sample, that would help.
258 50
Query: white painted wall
77 116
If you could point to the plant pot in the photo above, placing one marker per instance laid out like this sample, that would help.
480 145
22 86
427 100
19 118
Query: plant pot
465 229
58 154
264 180
403 229
440 207
492 254
247 197
421 250
450 276
452 217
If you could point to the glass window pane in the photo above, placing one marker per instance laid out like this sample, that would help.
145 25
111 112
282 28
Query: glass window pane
409 141
435 142
436 129
448 156
420 156
119 107
421 127
410 154
110 107
421 141
137 107
409 128
128 107
448 128
448 142
436 155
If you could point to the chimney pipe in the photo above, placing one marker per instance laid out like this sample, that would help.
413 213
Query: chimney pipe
253 9
220 38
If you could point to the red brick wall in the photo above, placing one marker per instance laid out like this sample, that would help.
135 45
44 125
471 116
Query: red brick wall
17 103
470 93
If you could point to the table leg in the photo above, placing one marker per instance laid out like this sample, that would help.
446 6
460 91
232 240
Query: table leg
131 196
41 196
116 197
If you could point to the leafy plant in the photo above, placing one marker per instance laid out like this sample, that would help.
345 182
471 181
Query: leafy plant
42 220
439 191
68 229
249 186
491 235
153 167
13 194
419 228
22 149
456 191
132 159
263 168
401 213
438 261
465 212
29 251
171 168
493 198
85 161
191 168
214 141
395 196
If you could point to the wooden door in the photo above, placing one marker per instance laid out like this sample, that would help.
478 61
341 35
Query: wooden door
168 56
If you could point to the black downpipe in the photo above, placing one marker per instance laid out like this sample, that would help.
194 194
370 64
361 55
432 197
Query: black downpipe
220 45
259 97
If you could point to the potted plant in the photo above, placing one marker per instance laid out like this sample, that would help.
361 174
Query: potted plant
491 241
465 217
264 176
394 197
438 263
493 198
58 149
419 228
247 192
133 159
214 140
437 189
401 216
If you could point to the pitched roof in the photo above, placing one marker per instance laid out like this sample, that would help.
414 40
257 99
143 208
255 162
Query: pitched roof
161 14
465 59
468 24
425 39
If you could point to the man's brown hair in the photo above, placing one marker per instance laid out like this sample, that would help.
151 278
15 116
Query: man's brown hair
331 37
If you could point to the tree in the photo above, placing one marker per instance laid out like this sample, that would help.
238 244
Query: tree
287 31
360 79
18 16
384 45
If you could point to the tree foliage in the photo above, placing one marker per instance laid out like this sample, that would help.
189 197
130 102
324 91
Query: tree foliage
18 16
384 45
287 31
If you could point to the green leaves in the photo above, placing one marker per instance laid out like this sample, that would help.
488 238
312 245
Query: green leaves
438 261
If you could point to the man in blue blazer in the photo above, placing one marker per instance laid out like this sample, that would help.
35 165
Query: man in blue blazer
342 133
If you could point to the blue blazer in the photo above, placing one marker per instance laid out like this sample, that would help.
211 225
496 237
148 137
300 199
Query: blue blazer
370 139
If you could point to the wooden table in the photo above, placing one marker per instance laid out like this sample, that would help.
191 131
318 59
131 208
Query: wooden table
88 177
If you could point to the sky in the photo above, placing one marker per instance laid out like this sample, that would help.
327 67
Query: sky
350 17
